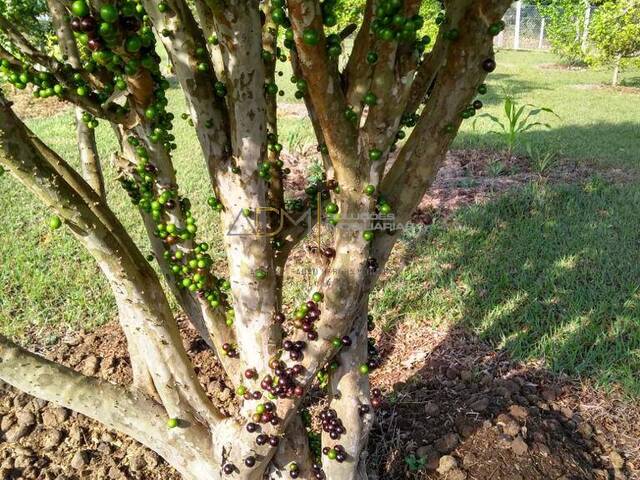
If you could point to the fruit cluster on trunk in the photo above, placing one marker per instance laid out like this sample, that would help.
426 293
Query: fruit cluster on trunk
392 96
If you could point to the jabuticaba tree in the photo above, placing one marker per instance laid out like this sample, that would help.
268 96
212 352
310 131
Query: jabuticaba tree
398 92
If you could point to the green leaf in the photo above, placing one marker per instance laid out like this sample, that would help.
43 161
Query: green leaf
493 118
534 124
518 114
508 106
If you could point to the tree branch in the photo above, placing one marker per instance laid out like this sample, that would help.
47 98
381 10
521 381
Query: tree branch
426 74
357 73
61 72
209 322
255 299
89 160
325 92
460 75
205 16
63 190
181 37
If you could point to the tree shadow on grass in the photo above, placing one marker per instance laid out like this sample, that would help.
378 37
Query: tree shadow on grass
547 275
547 272
502 84
631 82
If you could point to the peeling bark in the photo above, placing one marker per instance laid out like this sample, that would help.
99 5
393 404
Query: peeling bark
89 158
232 132
349 390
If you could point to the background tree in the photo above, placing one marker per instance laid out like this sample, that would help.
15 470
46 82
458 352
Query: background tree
225 64
615 34
31 16
567 27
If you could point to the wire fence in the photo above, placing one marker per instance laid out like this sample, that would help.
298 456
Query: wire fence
525 28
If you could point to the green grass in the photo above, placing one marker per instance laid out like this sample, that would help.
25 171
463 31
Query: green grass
549 273
596 123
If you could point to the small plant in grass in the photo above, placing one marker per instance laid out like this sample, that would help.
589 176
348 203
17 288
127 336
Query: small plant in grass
541 160
595 184
295 141
415 464
519 119
315 173
467 183
496 168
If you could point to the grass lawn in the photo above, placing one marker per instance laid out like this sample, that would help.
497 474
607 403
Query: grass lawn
596 123
551 273
546 272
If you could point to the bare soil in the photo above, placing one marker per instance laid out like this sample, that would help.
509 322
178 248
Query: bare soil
472 176
470 412
26 106
454 408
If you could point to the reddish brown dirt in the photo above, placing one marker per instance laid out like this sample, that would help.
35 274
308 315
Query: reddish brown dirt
450 394
475 176
41 441
451 402
470 177
26 106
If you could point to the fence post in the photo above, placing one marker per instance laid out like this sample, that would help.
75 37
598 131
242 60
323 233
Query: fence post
541 39
516 34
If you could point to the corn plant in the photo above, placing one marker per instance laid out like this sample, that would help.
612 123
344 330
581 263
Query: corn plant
519 119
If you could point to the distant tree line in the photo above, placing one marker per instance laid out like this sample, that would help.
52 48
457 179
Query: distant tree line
594 32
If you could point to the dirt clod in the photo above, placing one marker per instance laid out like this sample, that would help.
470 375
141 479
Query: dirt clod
457 474
80 459
52 438
446 464
447 443
431 409
480 405
617 461
519 446
26 418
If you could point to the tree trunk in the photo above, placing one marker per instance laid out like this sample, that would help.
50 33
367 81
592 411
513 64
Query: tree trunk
584 43
89 158
358 116
349 392
615 78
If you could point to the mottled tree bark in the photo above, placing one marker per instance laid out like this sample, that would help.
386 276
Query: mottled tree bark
228 89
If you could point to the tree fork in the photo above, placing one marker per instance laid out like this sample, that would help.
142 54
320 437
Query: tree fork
357 115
